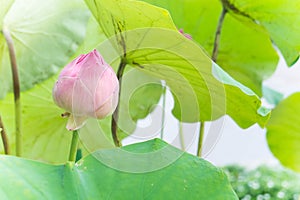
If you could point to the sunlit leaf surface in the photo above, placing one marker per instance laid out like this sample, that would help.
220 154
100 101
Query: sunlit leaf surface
283 132
165 53
92 178
245 50
45 36
280 18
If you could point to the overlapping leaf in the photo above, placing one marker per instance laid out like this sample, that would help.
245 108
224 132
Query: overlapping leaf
148 40
245 50
45 36
280 18
283 132
90 178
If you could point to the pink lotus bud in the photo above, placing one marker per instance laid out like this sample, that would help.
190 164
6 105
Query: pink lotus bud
86 87
188 36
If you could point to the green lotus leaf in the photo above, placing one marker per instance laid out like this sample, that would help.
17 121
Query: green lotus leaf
245 50
146 38
93 178
45 35
283 132
280 18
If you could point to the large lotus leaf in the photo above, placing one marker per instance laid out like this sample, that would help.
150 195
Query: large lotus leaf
280 18
45 35
91 178
163 52
283 132
245 50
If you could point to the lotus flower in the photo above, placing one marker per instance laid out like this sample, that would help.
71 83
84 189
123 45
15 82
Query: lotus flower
86 87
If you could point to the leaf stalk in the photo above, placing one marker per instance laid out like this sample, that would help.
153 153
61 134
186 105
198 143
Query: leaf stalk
162 126
200 140
218 36
214 57
16 90
115 117
4 138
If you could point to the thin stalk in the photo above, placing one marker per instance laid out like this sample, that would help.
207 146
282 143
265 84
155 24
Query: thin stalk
214 57
16 89
74 145
163 112
115 118
200 140
181 137
4 138
218 36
